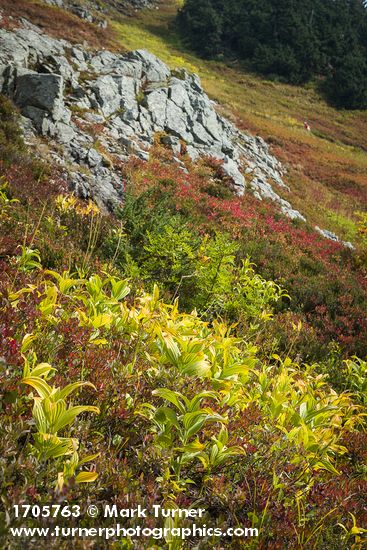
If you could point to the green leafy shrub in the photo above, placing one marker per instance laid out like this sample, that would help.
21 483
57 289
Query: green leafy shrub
12 147
51 416
194 409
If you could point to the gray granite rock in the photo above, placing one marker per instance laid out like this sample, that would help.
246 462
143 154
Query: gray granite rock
13 50
156 104
128 98
43 92
231 169
58 3
153 69
106 93
333 237
176 122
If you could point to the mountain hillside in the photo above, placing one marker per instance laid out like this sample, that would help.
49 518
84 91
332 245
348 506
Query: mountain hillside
183 292
327 167
289 41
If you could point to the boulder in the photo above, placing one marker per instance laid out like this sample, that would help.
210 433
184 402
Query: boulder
106 92
127 67
156 104
82 12
94 158
327 234
59 131
65 133
210 122
58 65
290 212
153 69
40 45
3 69
40 92
128 88
332 237
199 134
176 122
178 93
102 61
57 3
231 169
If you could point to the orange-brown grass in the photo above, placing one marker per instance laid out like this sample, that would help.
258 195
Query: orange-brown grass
60 23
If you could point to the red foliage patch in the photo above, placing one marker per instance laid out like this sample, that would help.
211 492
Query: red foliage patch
58 23
319 274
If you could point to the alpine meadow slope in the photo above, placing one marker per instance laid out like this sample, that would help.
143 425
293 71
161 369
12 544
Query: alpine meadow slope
174 330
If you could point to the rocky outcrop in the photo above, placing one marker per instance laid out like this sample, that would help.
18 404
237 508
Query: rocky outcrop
132 96
64 90
57 3
92 12
95 12
332 237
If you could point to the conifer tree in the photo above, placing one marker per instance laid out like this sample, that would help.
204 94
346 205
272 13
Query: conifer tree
291 40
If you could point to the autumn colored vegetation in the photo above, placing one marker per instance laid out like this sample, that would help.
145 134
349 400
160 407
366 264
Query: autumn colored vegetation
58 23
324 280
192 349
327 167
173 344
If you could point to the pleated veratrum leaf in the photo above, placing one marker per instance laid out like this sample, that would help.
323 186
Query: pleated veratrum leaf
220 454
53 412
197 367
325 464
40 385
86 477
88 458
68 416
120 289
27 342
48 304
234 370
65 281
172 397
223 436
170 348
98 341
94 286
193 447
155 294
194 346
42 369
14 297
52 446
194 421
101 320
195 401
62 394
39 415
186 458
165 415
325 413
164 440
